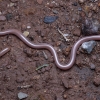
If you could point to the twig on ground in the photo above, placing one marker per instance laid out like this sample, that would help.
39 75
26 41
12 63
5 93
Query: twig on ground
63 35
24 87
45 65
46 57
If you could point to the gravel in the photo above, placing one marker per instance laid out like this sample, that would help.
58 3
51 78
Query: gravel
88 46
22 95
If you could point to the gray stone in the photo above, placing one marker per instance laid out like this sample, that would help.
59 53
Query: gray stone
50 19
92 66
22 95
55 11
2 18
94 0
88 46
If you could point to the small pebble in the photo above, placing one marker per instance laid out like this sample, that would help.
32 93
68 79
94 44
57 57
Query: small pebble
78 62
99 4
90 26
59 97
22 95
77 32
92 66
89 14
2 18
13 1
28 52
65 83
94 0
29 11
75 4
20 79
26 33
10 88
11 4
0 12
79 9
81 1
94 8
65 96
96 80
50 19
28 27
23 27
39 1
58 43
88 46
55 11
31 38
66 51
9 16
9 66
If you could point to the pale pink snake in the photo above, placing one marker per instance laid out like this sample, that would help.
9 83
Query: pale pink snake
49 47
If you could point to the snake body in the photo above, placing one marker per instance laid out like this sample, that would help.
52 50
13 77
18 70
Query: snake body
49 47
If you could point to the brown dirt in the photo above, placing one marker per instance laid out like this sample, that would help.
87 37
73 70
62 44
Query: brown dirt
17 68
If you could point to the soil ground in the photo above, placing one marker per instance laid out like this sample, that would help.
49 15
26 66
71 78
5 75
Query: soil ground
18 67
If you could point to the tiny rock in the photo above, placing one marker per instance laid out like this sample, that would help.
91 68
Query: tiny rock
28 52
65 83
94 57
94 8
87 8
50 19
22 95
58 43
65 96
2 18
81 1
29 11
77 32
96 80
78 62
11 4
59 97
26 33
90 26
20 79
88 46
10 88
75 4
66 50
94 0
13 1
92 66
28 26
99 4
97 69
55 11
89 14
9 16
36 77
39 1
23 27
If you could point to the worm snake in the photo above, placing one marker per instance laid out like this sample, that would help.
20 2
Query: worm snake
49 47
4 51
